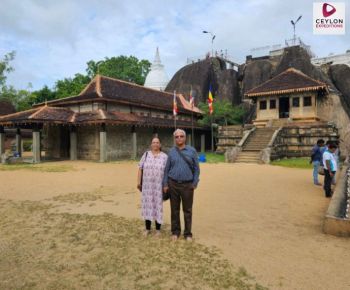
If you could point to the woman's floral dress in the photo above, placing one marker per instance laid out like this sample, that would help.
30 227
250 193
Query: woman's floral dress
152 187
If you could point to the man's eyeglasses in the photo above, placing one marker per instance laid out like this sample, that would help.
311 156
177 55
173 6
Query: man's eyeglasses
179 136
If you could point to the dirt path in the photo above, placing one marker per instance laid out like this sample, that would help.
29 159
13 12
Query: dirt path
266 219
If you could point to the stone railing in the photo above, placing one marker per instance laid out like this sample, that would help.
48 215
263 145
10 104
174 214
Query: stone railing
337 220
347 195
232 153
265 154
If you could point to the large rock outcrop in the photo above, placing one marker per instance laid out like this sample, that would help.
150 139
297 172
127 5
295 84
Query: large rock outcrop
256 71
340 75
201 74
231 85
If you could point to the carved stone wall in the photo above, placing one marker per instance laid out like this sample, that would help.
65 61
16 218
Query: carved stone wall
297 140
228 137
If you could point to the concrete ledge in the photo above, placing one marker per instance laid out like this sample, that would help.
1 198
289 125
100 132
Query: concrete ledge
336 226
334 223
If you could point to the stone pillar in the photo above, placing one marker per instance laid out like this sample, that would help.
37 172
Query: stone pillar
202 143
19 142
36 146
189 140
2 140
134 143
103 144
193 143
73 144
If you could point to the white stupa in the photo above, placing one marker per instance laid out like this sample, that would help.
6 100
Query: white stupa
157 78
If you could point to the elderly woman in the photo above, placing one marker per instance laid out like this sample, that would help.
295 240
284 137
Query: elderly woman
149 182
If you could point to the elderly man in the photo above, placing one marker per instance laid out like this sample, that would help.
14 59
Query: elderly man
181 178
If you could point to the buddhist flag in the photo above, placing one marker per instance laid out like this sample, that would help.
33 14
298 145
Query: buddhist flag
191 98
210 101
175 110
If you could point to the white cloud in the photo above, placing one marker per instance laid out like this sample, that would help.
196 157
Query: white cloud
55 39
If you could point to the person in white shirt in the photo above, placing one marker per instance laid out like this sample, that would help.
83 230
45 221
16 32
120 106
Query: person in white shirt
330 168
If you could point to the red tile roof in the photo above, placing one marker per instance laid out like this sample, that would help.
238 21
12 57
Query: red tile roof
289 81
103 88
60 115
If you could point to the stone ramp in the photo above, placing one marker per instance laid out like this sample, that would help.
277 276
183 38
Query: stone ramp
256 142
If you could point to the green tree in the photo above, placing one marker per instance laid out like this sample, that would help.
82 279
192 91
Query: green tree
19 98
5 67
224 113
71 86
40 96
129 69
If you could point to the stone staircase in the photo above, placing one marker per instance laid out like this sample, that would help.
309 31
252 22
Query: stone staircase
257 141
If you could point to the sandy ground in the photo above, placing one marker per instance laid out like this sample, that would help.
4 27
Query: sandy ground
264 218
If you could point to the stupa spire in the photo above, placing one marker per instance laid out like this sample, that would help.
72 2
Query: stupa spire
157 78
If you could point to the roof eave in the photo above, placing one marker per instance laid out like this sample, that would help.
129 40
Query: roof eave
289 91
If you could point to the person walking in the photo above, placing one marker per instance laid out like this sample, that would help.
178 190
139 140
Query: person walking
316 158
181 177
330 168
149 182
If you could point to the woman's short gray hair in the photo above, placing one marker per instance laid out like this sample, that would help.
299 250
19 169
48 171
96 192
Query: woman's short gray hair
180 131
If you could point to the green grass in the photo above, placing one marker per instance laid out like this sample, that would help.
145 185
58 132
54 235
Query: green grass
302 163
36 167
214 158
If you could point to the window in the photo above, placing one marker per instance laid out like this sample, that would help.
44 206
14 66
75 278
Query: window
295 102
262 105
307 101
272 104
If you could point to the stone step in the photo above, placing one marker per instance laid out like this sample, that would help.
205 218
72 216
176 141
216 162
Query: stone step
257 143
247 158
247 161
252 148
260 137
249 154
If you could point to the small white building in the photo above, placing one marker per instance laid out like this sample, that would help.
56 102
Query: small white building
333 59
157 78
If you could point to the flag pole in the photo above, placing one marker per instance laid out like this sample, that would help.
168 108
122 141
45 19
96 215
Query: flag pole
192 106
174 110
212 135
192 131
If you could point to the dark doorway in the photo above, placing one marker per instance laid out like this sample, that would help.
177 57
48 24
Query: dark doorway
284 107
65 142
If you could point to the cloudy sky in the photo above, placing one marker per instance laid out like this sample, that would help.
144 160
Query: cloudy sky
55 39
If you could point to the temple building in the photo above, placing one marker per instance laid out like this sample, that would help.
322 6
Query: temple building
343 58
109 120
291 95
157 78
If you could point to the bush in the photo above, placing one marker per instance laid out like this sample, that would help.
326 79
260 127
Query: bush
27 145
